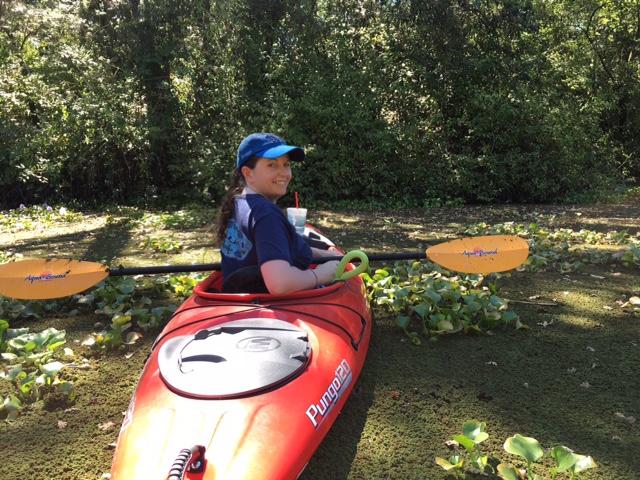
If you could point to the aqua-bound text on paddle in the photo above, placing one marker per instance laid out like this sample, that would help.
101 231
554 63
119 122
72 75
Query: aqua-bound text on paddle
44 277
480 253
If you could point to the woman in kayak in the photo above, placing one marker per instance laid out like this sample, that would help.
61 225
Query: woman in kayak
254 232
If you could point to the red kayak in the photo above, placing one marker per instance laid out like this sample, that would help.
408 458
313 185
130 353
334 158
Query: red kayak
244 386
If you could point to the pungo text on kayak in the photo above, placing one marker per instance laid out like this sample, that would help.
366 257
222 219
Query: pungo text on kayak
317 412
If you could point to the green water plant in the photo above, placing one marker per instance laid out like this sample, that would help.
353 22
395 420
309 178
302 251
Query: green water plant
12 308
31 367
181 285
117 297
431 301
630 257
531 450
473 435
162 245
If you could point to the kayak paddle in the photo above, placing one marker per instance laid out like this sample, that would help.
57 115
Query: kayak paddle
57 278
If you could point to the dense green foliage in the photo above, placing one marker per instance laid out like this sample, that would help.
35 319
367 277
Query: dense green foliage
412 103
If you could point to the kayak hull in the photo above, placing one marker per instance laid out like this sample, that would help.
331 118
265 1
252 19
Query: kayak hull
257 380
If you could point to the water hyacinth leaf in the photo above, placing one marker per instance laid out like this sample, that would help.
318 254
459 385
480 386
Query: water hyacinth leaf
583 463
520 325
13 372
422 310
449 295
380 274
142 302
401 292
17 332
445 326
451 464
132 337
433 296
465 441
122 322
68 389
508 472
498 302
474 307
86 299
472 327
21 344
526 447
25 382
109 310
399 303
158 311
128 288
8 356
51 369
456 323
57 339
475 431
402 321
32 309
565 457
12 405
40 357
435 319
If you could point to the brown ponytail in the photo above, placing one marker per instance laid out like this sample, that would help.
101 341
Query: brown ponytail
236 186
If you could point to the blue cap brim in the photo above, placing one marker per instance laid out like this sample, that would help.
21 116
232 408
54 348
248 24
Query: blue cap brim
296 154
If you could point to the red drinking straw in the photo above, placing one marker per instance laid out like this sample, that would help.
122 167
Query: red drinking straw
297 202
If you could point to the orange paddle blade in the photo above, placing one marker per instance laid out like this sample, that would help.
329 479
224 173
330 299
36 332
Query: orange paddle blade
488 254
46 279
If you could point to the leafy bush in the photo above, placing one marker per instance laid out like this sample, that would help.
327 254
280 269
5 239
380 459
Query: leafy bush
404 105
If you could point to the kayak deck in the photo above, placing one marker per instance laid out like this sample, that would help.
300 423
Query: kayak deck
256 380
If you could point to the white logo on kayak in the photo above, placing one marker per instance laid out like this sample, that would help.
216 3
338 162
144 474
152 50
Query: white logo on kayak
258 344
317 412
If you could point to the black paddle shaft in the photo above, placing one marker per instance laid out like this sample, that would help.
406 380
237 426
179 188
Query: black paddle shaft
208 267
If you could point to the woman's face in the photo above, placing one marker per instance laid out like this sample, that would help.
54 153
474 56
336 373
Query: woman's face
270 177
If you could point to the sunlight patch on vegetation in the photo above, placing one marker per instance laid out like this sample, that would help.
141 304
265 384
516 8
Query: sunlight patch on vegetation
27 218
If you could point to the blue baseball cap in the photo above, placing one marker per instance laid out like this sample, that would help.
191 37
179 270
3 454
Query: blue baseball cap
266 145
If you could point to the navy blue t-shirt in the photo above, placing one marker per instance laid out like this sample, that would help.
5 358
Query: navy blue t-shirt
259 232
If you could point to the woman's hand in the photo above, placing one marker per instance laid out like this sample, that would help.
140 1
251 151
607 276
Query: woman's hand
326 272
